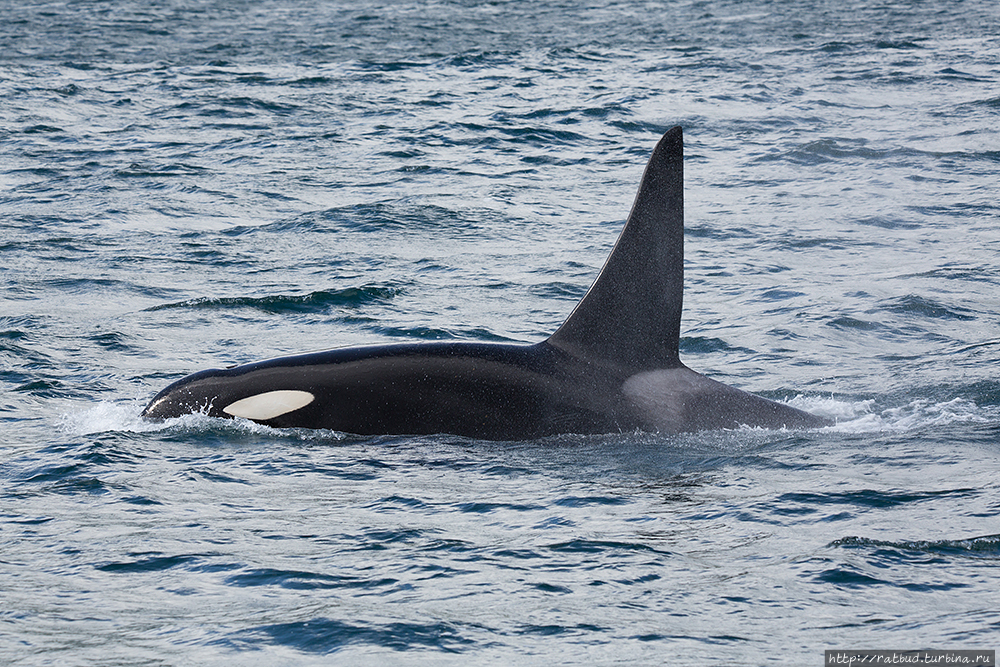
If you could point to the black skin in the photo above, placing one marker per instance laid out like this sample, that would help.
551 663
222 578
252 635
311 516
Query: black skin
613 366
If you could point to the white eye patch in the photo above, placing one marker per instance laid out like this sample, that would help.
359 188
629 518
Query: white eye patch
269 405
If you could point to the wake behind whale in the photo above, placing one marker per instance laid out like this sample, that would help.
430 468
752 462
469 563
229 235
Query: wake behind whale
612 366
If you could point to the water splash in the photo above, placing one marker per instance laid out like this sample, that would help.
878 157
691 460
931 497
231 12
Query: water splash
124 417
864 417
850 416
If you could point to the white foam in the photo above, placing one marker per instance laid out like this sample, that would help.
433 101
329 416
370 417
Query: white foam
863 416
106 416
850 416
124 417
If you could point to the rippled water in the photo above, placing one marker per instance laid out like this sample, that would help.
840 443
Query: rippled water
186 185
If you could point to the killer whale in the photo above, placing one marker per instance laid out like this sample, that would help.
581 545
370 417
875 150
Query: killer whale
612 366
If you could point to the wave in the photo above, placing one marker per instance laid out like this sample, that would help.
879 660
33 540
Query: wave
124 417
314 302
855 417
862 417
986 546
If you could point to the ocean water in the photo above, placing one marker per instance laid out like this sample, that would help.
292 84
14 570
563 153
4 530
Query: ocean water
186 184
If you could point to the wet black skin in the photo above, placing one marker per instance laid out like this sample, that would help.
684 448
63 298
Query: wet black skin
613 366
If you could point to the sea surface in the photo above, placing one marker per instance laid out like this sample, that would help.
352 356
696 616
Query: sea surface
188 184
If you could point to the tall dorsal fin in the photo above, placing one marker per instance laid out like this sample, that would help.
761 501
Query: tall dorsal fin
631 316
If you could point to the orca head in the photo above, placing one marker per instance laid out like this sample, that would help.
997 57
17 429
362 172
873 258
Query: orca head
216 394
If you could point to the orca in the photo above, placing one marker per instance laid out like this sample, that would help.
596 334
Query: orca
613 366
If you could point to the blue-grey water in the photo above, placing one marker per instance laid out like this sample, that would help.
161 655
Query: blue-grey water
190 184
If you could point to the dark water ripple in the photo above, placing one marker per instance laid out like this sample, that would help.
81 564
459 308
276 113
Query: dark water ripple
930 552
316 302
323 635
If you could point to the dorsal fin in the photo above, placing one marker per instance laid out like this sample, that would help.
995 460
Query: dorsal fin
631 316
